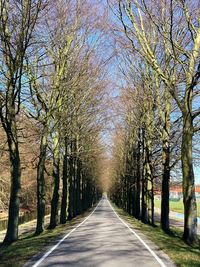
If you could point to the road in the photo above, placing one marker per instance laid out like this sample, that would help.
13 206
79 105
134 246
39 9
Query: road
103 240
175 221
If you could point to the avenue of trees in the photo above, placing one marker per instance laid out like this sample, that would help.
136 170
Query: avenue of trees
51 84
54 62
158 43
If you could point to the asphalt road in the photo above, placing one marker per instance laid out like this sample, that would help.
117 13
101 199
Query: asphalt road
103 240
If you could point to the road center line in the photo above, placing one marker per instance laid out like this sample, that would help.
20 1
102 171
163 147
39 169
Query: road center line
140 239
66 236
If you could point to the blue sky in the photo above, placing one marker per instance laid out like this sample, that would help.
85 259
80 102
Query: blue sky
197 174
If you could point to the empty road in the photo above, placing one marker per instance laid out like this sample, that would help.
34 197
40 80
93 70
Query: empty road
103 240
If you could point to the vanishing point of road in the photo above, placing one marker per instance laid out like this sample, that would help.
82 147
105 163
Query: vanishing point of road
103 240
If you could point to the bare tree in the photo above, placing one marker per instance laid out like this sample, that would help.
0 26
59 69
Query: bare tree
15 37
182 53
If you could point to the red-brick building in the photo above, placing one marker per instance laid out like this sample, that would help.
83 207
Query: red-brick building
176 192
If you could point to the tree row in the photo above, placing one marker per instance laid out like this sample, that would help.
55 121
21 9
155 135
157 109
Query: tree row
51 73
158 46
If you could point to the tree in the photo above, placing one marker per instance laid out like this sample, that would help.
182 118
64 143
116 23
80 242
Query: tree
181 80
15 42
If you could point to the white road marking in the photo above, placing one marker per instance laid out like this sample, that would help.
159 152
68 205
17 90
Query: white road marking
66 236
141 240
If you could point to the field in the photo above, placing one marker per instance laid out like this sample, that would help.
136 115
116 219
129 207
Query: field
177 206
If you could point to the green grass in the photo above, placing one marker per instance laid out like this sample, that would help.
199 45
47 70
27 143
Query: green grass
176 206
16 254
180 253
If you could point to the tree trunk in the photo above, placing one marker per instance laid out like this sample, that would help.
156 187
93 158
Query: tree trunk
41 183
133 179
56 176
125 193
148 176
74 198
148 170
165 187
166 163
138 178
70 182
63 212
129 197
144 183
152 203
84 195
79 204
189 199
15 171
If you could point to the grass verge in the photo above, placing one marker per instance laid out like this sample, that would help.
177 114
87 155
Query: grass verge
180 253
28 245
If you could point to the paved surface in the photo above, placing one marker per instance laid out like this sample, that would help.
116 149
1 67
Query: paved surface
173 220
103 241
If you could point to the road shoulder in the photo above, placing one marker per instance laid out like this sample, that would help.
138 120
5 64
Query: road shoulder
30 247
167 247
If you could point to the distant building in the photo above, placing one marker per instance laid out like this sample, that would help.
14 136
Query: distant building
197 191
176 192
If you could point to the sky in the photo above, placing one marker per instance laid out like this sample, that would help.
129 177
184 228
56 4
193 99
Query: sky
114 92
197 174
